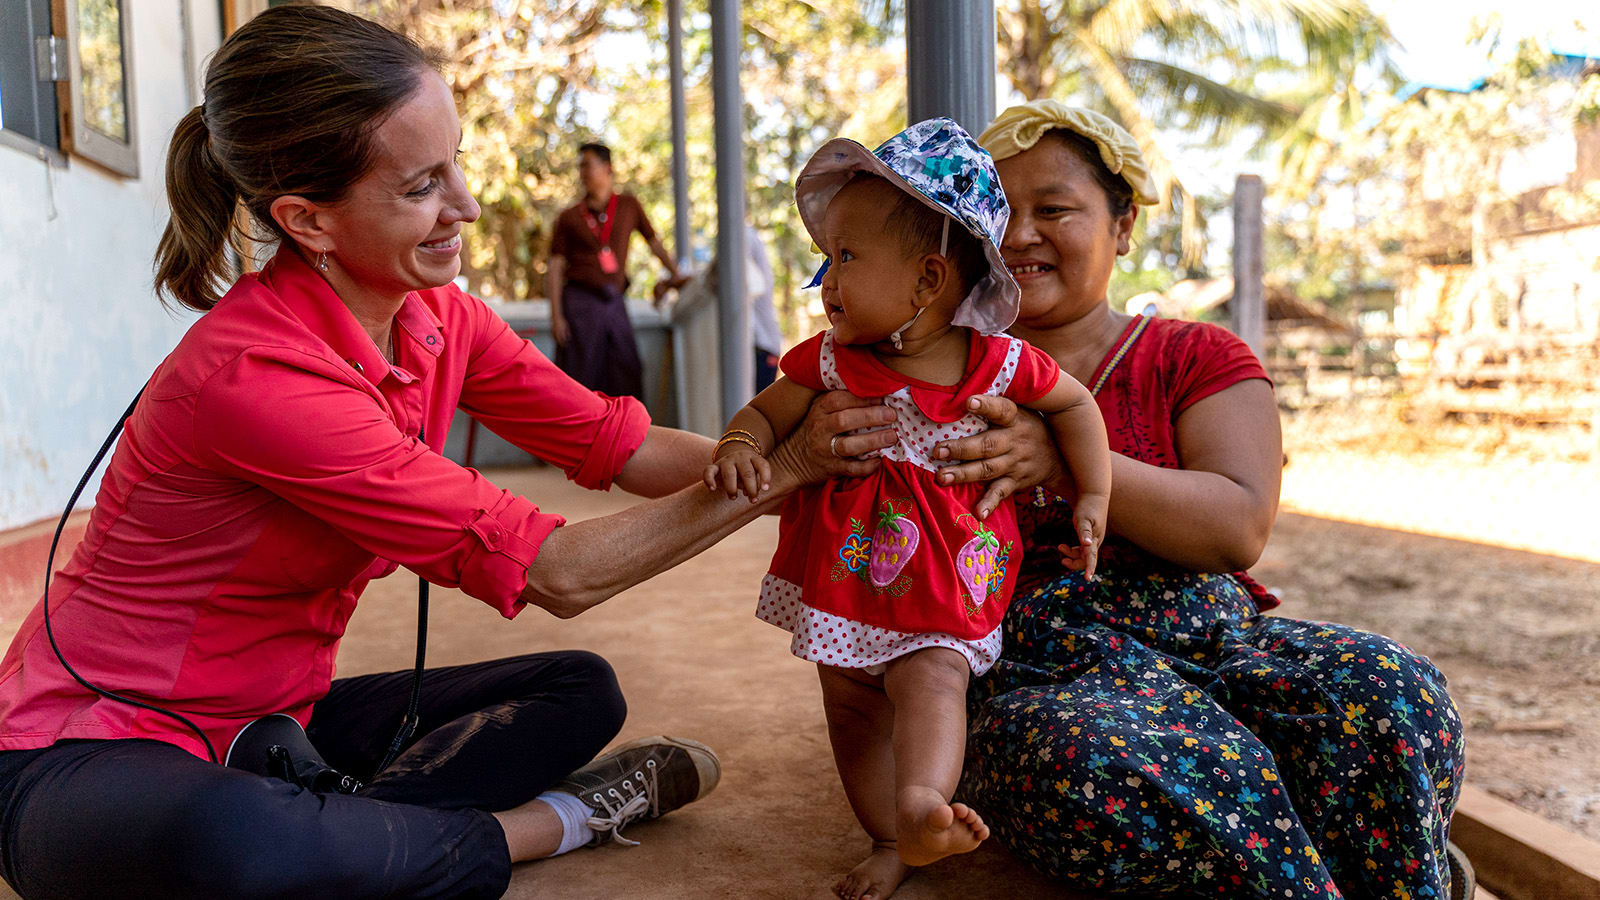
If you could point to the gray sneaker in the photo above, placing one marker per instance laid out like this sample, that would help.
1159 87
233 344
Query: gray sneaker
641 780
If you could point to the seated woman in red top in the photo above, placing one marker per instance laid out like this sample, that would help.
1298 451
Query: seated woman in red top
285 454
1151 733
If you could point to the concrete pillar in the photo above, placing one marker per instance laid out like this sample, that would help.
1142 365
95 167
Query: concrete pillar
950 65
1248 309
682 238
733 315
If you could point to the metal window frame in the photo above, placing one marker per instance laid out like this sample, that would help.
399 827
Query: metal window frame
36 131
77 138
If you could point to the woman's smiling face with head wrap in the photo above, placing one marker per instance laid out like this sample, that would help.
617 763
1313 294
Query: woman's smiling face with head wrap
1074 179
1062 239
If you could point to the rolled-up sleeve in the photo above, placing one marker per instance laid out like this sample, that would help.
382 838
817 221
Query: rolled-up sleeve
300 428
519 394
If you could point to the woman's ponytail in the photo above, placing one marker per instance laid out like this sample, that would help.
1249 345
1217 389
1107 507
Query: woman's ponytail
192 265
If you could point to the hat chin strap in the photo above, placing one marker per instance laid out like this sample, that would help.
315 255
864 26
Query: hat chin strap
895 337
944 249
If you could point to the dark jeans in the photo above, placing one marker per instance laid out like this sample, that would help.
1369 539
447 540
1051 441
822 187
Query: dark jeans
142 818
600 353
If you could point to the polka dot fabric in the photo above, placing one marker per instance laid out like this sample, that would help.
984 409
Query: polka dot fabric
918 433
894 561
834 641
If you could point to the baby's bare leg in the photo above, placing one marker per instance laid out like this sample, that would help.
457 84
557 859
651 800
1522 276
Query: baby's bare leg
929 690
860 727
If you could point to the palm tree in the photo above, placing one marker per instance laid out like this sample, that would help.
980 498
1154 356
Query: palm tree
1211 66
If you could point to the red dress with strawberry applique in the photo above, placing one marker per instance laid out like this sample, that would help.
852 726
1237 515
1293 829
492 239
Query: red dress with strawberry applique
871 568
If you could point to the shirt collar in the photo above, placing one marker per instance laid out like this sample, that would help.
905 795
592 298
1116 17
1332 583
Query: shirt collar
313 301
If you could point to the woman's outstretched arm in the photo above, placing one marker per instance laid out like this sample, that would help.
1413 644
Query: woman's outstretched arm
668 460
585 563
1213 515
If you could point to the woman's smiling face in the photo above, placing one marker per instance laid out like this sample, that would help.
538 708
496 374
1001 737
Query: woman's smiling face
399 228
1062 239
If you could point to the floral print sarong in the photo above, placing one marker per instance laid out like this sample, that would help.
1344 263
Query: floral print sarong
1151 734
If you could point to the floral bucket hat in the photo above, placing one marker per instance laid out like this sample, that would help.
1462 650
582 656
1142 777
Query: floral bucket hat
937 162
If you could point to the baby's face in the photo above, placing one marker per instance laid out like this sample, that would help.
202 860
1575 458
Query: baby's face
869 286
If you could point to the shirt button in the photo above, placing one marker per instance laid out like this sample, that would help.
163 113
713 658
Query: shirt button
432 339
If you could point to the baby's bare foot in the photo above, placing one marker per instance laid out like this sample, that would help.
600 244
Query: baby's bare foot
875 877
930 829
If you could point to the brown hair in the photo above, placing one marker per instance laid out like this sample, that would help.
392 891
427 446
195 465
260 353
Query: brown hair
291 101
1119 194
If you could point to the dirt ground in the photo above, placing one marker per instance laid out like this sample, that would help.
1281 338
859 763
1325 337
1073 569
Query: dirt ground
1506 602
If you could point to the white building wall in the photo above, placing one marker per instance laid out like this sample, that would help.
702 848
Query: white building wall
80 327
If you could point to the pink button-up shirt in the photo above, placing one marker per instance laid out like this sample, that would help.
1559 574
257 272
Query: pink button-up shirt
274 466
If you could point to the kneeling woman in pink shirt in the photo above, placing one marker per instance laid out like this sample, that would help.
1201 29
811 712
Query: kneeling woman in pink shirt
286 453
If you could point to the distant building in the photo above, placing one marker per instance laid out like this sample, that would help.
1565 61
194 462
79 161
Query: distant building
1501 313
1530 265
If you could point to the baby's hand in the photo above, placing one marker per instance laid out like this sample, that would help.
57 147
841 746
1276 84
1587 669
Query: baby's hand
739 469
1089 520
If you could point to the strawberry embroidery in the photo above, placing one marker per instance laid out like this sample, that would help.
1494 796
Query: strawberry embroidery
856 558
981 563
893 543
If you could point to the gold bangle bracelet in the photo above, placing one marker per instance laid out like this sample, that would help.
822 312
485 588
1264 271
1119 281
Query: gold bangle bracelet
736 438
749 434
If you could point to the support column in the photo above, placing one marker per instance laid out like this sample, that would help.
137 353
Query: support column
733 314
682 239
1247 310
950 61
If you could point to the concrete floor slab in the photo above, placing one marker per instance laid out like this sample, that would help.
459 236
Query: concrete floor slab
695 662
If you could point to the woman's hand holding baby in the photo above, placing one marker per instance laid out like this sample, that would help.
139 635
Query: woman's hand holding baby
829 433
1014 454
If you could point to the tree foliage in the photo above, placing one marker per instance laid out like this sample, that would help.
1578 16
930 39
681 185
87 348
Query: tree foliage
535 78
1439 175
1435 175
1209 68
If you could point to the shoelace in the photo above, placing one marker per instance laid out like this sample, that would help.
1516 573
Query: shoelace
620 810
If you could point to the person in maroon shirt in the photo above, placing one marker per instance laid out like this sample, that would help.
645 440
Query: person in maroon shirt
588 276
1151 732
285 454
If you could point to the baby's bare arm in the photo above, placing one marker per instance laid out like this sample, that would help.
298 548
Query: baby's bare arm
782 406
736 466
1080 434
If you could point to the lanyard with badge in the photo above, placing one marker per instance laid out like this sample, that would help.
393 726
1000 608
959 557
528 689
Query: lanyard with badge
602 230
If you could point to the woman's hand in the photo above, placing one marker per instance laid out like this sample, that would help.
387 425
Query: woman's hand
1014 454
823 447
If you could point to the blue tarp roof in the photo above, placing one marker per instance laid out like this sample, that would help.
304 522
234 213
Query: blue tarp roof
1571 60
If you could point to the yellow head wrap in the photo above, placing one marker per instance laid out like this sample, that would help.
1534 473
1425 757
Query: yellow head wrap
1020 127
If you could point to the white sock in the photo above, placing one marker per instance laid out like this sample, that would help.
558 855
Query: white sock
574 816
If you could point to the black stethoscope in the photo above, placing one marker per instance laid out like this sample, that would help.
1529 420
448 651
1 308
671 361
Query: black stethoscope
275 744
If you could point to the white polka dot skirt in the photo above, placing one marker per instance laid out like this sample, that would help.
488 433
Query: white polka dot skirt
836 641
